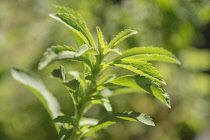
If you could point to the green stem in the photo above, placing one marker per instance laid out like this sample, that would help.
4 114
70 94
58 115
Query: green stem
90 89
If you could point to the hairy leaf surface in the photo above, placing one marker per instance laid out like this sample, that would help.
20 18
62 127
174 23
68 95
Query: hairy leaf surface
149 54
75 22
56 53
140 67
143 84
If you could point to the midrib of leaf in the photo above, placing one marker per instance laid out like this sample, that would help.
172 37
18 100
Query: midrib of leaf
153 53
79 33
141 67
143 84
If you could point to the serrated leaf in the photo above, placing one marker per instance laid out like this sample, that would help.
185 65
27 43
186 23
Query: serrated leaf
75 22
64 134
121 36
140 67
59 74
33 83
101 42
56 53
143 84
66 119
106 79
149 54
99 99
120 117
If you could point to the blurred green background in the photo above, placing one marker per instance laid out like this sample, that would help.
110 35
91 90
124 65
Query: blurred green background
181 26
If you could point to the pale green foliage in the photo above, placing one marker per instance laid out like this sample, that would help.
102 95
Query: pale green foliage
86 88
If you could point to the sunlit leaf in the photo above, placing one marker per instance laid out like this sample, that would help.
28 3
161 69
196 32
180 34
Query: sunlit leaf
56 53
140 67
120 37
143 84
75 22
149 54
120 117
101 41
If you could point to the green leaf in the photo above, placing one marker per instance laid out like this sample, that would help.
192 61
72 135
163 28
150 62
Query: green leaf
101 42
75 22
120 117
64 134
121 36
99 99
56 53
149 54
112 50
33 83
106 79
59 74
140 67
143 84
72 85
66 119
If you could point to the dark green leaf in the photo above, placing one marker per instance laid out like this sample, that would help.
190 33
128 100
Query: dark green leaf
119 117
59 74
149 54
72 85
140 67
66 119
120 37
144 84
64 134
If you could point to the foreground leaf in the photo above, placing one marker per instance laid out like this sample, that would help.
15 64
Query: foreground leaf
143 84
40 91
120 37
149 54
120 117
140 67
56 53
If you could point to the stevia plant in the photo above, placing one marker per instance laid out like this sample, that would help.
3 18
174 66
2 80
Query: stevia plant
90 86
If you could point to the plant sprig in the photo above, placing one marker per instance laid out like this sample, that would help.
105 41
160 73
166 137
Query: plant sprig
86 88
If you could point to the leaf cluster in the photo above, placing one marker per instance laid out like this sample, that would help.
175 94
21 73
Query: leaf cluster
87 88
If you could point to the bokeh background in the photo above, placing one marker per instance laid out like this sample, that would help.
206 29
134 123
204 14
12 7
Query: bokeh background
181 26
